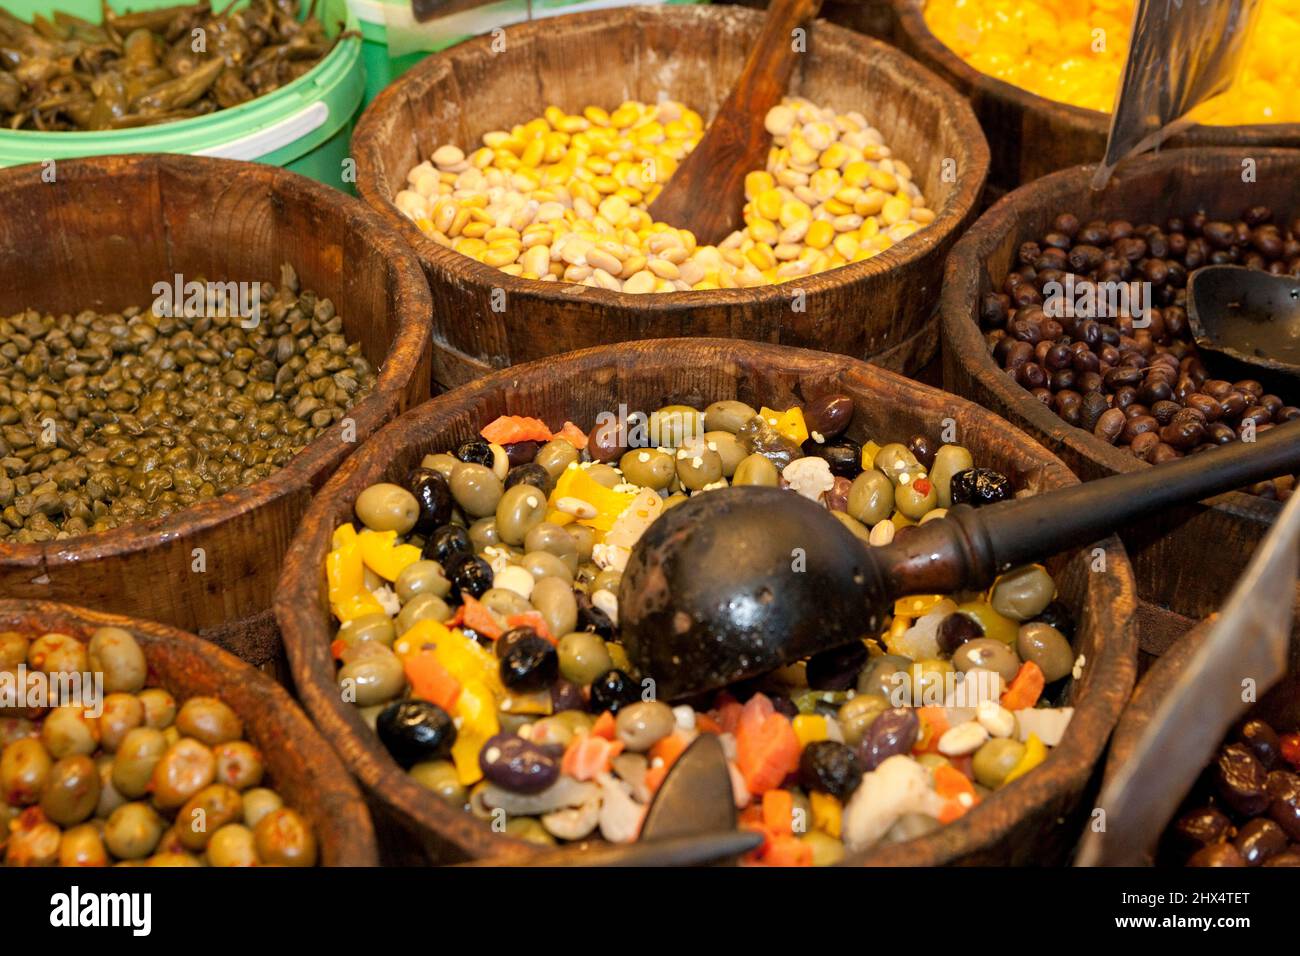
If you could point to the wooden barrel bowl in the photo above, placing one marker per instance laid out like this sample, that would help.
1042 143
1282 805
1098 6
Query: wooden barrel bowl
300 765
100 236
881 308
1186 559
1031 135
1280 706
1018 825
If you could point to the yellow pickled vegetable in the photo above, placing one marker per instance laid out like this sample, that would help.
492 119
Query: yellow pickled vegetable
383 555
789 423
1035 753
827 813
477 709
809 728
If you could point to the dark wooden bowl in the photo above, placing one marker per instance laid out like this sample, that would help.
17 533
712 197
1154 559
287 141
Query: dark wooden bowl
1186 559
881 308
1018 825
1280 706
1030 135
300 765
100 236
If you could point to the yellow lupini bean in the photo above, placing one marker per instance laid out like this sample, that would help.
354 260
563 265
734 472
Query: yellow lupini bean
565 197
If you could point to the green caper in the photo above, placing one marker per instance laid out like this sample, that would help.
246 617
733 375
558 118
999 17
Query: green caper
520 509
756 469
871 497
477 489
948 460
648 467
728 416
387 507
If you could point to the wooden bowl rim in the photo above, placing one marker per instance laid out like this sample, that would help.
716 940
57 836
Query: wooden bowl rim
307 636
969 139
958 301
356 843
911 19
414 330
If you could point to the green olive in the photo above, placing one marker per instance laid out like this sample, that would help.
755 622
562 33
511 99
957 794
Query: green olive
698 466
858 713
83 846
372 678
209 720
368 627
530 830
543 564
58 654
826 850
584 538
553 598
443 463
672 501
387 507
483 534
987 654
421 577
186 768
133 831
948 460
729 449
860 530
554 540
929 681
583 657
871 497
894 459
604 475
551 730
115 653
440 776
607 580
1047 647
520 509
555 456
13 650
477 489
995 759
159 707
24 771
206 812
728 416
1022 593
422 607
67 731
648 467
239 764
890 676
122 714
504 602
258 802
109 798
642 724
756 469
232 845
284 838
915 498
675 425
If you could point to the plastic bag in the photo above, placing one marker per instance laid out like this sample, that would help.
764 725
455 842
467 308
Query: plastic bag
1182 53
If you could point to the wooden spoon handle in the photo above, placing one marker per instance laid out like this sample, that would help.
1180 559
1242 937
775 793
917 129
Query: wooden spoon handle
973 546
767 71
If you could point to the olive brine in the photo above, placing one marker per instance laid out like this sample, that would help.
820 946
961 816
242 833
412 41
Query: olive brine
478 607
149 781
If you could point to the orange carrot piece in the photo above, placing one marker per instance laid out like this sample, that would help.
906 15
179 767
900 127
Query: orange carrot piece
431 681
534 620
778 812
337 647
509 429
604 726
478 617
588 756
1025 688
952 810
728 716
934 722
949 782
787 851
574 435
706 724
663 754
766 756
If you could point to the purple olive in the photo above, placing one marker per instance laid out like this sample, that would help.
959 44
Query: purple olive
893 732
518 765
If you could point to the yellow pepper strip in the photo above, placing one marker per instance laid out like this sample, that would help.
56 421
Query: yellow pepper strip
869 455
1035 753
809 728
789 423
576 483
918 605
344 572
357 605
827 813
343 535
464 658
476 707
897 628
383 555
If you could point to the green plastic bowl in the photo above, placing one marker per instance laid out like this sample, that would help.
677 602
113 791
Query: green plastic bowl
305 126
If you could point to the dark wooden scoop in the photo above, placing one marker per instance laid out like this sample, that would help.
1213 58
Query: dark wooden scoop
1248 318
706 193
739 581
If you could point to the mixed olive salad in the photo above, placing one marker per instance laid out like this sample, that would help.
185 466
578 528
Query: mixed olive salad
148 781
478 610
1247 810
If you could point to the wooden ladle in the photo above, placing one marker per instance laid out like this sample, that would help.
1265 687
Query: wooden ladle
742 580
706 193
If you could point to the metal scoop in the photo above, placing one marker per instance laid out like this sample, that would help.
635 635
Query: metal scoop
1248 319
739 581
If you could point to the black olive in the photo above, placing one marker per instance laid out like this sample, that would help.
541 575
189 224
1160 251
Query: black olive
844 455
592 618
530 474
1241 780
529 663
1200 828
476 452
612 690
511 637
414 731
446 543
785 706
837 668
1059 616
830 767
955 630
434 496
923 449
1258 840
470 575
521 452
980 486
1262 741
566 695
